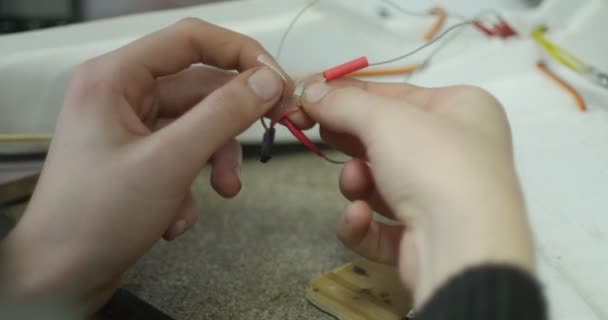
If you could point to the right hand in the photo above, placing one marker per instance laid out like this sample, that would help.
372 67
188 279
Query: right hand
440 162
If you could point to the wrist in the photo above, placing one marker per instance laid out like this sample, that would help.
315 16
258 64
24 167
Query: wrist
36 268
454 240
40 266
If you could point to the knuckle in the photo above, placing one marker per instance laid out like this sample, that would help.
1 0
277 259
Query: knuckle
251 42
489 107
342 96
191 22
88 81
231 105
474 92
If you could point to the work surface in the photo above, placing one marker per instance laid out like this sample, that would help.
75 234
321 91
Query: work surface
265 244
250 257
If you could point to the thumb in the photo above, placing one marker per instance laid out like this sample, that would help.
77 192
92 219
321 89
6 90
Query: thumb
221 116
350 110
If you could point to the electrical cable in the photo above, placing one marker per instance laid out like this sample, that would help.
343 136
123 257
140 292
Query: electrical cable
355 67
567 59
407 12
558 53
424 46
291 25
436 27
580 102
25 137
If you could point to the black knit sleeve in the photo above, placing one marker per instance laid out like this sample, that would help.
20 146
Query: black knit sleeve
487 292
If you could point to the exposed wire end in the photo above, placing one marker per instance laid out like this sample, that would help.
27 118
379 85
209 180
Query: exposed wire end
580 102
263 122
330 160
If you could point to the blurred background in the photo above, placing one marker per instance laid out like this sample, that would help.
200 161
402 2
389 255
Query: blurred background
24 15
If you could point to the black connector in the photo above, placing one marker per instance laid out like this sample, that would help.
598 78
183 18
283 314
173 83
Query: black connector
267 143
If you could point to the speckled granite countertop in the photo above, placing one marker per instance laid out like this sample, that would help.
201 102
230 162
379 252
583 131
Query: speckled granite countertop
250 257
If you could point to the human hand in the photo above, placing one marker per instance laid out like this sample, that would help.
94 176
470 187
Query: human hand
136 128
438 161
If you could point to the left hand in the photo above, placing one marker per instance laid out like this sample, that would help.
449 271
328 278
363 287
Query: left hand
136 128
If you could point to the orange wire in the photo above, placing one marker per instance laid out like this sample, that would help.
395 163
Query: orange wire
387 71
441 17
580 102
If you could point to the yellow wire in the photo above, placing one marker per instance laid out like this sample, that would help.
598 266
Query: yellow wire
25 137
559 54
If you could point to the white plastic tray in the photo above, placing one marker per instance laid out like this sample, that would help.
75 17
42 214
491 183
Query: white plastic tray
562 155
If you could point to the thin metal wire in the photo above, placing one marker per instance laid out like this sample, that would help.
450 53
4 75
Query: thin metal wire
442 46
330 160
451 39
420 14
407 12
292 24
422 47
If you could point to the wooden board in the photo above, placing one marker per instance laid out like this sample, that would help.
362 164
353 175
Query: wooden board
360 290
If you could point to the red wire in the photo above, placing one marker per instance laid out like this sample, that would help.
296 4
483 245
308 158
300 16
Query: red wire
302 137
284 115
483 29
329 74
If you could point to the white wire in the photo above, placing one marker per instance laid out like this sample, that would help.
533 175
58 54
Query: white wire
426 45
292 24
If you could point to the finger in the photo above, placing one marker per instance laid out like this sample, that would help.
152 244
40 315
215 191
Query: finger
226 168
349 110
357 183
185 219
134 67
289 103
188 42
217 119
344 142
412 94
161 123
359 232
180 92
293 101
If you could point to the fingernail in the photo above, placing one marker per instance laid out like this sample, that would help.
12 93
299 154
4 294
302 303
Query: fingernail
265 83
179 228
272 64
315 92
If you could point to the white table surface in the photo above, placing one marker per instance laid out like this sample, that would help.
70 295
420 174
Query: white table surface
561 153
